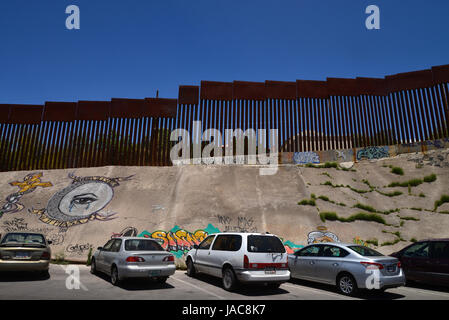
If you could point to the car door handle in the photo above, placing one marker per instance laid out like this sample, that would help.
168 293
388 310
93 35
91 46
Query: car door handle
312 262
335 264
208 254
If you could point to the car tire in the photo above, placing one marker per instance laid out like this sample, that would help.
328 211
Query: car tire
191 272
93 267
229 279
115 280
347 285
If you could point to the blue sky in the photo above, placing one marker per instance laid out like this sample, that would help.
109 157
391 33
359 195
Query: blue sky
130 49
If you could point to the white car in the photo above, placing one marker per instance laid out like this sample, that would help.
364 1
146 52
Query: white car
240 257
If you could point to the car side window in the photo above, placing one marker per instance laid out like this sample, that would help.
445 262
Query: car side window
333 252
205 245
440 250
116 245
228 243
418 250
108 245
311 251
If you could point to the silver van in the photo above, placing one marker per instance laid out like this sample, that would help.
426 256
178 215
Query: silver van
240 257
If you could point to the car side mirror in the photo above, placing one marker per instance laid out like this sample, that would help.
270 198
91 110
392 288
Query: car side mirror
100 248
49 242
195 246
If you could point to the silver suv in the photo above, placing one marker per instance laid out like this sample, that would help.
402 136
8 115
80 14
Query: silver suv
240 257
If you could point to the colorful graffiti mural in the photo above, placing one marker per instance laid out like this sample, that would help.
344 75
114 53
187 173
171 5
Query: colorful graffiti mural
321 235
306 157
29 184
80 202
373 153
179 241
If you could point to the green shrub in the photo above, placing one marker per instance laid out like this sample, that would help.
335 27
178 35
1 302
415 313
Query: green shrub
409 218
397 170
313 196
331 216
411 183
444 199
342 204
89 257
390 243
372 217
422 195
373 242
430 178
416 209
330 165
324 198
365 207
306 202
413 240
390 194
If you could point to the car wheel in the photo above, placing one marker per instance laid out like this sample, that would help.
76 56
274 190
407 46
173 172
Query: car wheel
229 279
93 267
346 284
190 268
161 280
114 276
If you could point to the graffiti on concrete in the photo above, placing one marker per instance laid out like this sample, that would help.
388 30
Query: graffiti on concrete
241 224
360 242
321 235
127 232
29 184
344 155
80 202
306 157
79 249
19 225
372 153
179 241
291 247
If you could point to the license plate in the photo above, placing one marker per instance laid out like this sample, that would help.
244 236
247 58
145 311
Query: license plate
154 273
22 255
391 268
270 271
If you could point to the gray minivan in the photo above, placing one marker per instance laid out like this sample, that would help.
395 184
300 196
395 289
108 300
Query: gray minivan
240 257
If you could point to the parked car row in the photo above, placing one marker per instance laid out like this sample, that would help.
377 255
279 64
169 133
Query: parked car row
242 258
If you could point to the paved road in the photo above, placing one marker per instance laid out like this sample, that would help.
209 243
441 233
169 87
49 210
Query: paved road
181 287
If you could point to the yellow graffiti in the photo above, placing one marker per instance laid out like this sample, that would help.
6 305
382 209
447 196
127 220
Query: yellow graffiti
31 182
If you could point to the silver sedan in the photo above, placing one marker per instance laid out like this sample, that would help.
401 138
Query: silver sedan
132 257
348 266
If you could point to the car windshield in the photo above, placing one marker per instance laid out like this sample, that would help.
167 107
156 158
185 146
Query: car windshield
365 251
265 244
23 239
142 245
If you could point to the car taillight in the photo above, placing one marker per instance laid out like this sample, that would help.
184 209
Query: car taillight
245 262
169 259
45 255
135 259
372 265
399 265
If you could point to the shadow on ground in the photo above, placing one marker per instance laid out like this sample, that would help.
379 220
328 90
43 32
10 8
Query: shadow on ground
362 294
251 290
425 286
16 276
137 283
